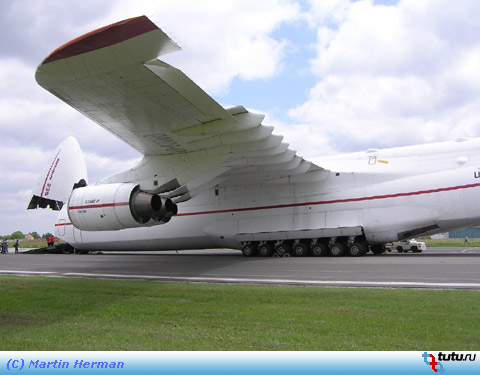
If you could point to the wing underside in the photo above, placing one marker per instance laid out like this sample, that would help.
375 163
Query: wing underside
112 76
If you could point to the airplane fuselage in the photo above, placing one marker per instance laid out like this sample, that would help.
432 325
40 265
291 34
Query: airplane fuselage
377 196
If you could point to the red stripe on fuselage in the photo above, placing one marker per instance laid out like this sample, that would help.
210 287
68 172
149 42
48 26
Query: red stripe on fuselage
291 205
334 201
62 224
103 205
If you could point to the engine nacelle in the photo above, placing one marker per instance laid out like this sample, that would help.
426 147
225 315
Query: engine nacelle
117 206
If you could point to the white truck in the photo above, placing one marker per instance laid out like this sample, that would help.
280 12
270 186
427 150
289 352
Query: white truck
411 245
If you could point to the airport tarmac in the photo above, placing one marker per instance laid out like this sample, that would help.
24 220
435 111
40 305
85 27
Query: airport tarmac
445 268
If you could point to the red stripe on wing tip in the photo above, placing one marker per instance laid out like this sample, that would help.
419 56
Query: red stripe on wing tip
103 37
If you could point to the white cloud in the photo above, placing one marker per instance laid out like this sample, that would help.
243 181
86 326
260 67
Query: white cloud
327 11
394 75
220 40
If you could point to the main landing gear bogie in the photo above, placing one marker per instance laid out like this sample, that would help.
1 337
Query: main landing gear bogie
316 248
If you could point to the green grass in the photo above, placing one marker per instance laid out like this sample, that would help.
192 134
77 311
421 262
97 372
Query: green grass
451 242
39 313
32 244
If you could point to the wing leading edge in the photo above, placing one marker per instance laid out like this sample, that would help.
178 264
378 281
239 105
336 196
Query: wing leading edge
112 76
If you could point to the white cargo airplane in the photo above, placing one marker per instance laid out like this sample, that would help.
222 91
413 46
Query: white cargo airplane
214 177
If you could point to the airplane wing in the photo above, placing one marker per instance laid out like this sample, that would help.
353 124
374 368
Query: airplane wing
113 77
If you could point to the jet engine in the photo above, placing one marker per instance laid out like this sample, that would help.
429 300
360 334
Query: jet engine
117 206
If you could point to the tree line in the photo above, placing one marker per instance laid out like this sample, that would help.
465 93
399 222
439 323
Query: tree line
18 235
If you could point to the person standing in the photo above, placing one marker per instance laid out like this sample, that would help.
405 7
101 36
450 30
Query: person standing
51 240
16 246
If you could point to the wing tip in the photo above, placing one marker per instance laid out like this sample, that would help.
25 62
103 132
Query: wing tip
103 37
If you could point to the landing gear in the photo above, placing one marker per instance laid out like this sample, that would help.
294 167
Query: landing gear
338 249
318 249
265 249
300 249
334 246
378 249
357 249
249 249
283 248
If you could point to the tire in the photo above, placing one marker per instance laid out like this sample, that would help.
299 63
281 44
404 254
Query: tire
283 248
400 249
249 250
416 249
318 250
300 250
265 250
377 249
357 249
337 249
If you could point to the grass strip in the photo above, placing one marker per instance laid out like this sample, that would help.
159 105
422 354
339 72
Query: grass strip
40 313
451 242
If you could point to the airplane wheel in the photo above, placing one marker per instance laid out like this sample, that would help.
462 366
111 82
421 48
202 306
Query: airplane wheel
249 250
300 250
337 250
318 250
265 250
283 249
377 249
357 249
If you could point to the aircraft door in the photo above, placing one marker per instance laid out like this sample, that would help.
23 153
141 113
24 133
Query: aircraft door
77 235
61 227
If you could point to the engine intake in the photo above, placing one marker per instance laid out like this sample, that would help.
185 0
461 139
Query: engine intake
117 206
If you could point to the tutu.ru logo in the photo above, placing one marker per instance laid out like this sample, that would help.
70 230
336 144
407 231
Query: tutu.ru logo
430 360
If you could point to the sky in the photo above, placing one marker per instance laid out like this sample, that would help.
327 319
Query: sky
332 76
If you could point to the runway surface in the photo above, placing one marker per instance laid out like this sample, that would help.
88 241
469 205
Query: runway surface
446 268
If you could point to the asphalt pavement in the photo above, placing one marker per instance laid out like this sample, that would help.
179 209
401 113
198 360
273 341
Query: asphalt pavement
446 268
